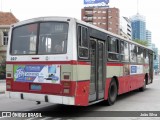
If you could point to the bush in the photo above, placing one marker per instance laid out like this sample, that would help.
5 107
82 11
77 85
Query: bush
2 71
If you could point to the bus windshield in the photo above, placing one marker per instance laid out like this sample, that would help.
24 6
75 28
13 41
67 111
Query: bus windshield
40 38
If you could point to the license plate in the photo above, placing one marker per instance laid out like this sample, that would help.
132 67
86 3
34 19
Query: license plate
35 87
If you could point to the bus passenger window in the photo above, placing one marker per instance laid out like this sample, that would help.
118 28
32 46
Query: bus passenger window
53 38
113 49
133 53
140 58
124 50
146 59
26 37
83 42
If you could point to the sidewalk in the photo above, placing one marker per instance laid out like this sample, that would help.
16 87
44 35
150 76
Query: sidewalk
2 86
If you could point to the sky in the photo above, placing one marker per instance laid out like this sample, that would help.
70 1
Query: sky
26 9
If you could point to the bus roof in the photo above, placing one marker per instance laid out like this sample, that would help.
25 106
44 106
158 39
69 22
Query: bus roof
37 19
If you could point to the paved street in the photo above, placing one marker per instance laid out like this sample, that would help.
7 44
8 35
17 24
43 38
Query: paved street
149 100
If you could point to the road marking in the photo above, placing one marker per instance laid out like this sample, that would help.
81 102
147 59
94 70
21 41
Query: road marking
30 118
45 118
57 119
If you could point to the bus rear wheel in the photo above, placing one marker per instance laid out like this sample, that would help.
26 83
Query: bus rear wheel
112 93
144 86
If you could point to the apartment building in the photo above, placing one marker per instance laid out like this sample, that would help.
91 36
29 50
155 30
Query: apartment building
103 17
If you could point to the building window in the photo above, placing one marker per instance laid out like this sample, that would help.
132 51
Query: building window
90 22
90 18
110 22
109 16
84 17
5 38
89 12
94 11
109 28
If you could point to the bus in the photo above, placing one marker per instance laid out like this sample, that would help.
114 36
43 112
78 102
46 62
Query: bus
63 60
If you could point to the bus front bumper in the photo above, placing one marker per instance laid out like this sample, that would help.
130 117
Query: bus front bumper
42 97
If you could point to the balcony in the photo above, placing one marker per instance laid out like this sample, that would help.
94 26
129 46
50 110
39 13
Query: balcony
88 13
88 19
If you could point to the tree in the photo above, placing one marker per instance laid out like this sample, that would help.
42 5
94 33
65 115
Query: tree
142 42
3 68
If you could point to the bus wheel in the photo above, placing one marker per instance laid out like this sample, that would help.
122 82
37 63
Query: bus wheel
112 93
144 86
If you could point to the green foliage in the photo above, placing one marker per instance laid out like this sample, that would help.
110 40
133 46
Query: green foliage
2 68
142 42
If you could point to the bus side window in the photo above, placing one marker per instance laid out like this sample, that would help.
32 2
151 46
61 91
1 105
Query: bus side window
146 59
113 49
140 55
124 51
133 53
83 42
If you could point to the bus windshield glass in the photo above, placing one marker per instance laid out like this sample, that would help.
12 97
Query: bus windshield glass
40 38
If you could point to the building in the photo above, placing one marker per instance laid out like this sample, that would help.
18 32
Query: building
103 17
125 28
149 38
138 27
6 19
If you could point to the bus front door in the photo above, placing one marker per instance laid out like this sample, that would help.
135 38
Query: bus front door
97 70
150 68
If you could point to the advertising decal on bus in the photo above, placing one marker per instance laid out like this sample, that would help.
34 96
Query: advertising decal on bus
136 69
37 73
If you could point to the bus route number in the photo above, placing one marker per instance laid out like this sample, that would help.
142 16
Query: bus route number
13 58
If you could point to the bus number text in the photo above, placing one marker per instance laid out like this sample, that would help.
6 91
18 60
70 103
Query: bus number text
13 58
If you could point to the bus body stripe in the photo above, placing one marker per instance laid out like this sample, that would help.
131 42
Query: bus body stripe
72 62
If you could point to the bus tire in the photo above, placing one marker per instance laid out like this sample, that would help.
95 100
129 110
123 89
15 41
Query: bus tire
144 86
112 92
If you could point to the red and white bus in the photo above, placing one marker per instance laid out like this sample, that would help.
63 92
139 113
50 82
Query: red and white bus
66 61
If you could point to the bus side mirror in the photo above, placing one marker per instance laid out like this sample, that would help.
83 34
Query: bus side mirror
155 57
